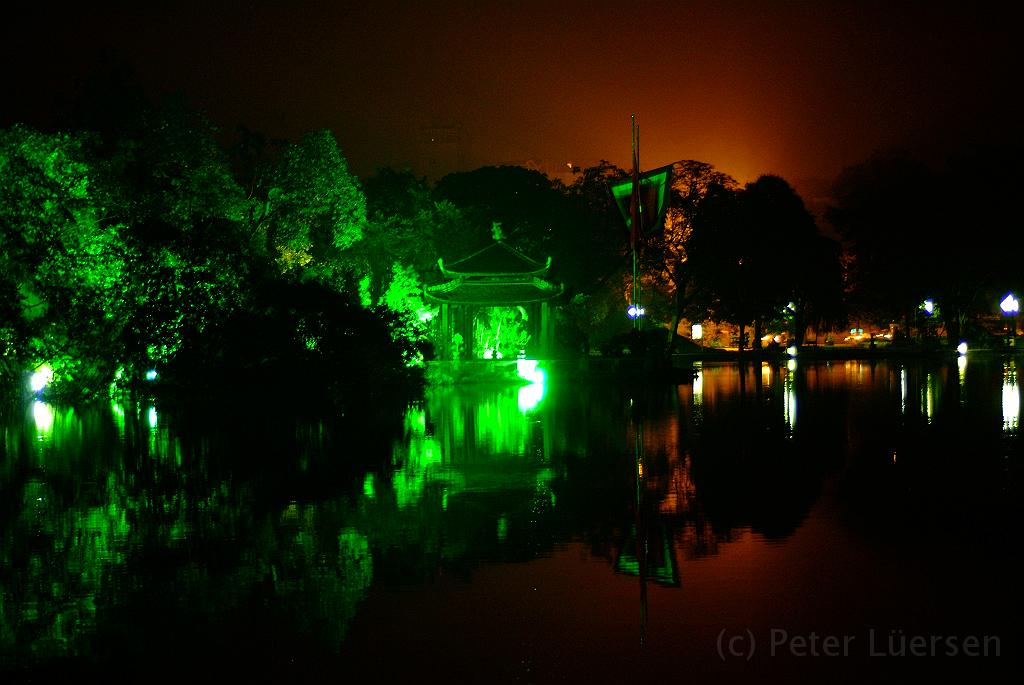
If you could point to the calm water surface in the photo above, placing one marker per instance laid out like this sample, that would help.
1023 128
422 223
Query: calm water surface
845 521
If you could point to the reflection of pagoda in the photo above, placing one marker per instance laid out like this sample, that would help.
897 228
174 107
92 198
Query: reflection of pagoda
495 276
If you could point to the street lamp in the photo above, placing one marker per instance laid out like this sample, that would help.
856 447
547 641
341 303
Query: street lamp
1010 306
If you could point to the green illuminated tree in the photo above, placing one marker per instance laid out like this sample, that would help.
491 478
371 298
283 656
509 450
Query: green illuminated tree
310 210
63 263
171 184
406 227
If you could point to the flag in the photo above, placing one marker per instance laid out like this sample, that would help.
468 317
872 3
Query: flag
650 198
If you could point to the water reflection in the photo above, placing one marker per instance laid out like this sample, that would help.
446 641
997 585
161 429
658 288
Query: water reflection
789 384
1010 398
175 534
42 414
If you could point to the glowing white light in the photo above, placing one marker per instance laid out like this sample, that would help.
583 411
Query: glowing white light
530 396
1011 399
928 401
41 378
789 402
528 371
903 390
929 307
42 414
635 311
791 365
1010 305
696 331
698 384
151 375
151 415
962 348
791 350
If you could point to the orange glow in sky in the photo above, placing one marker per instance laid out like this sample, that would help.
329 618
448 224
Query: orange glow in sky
796 89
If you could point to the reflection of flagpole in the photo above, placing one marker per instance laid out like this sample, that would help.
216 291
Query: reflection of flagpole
641 529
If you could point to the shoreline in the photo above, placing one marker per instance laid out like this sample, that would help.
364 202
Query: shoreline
679 369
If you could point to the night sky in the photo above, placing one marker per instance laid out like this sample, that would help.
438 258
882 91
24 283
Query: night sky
800 89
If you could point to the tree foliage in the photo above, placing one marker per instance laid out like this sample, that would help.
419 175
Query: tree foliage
755 251
132 250
63 265
914 231
311 209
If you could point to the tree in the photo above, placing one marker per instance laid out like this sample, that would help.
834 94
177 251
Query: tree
664 253
311 210
884 211
171 185
523 200
756 251
914 231
721 244
590 259
63 266
797 268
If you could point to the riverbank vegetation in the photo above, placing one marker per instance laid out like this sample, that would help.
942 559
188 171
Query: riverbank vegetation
143 249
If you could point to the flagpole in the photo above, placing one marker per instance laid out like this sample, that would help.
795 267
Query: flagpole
634 218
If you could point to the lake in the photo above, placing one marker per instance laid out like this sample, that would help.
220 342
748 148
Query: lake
848 521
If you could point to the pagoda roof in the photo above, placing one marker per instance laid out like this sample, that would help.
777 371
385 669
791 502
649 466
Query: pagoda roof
497 259
493 291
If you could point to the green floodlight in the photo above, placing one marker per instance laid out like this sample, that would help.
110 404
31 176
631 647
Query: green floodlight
42 377
528 371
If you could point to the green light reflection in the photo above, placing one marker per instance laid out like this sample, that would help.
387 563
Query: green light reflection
42 414
529 396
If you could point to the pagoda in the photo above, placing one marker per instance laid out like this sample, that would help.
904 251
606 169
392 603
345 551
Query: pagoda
496 276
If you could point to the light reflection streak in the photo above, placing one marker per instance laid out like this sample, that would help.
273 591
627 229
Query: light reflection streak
903 390
1010 398
42 414
928 396
789 402
698 384
530 396
961 367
